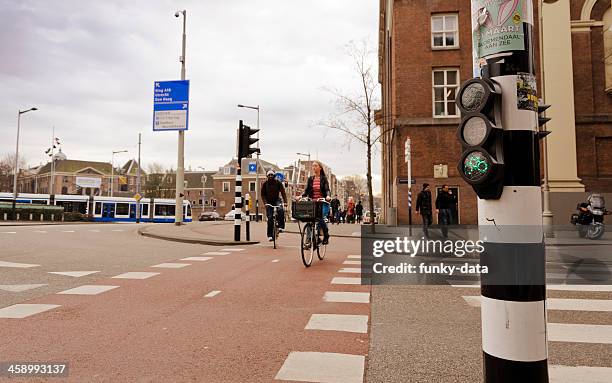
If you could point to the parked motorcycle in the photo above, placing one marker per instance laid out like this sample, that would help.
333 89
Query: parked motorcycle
590 217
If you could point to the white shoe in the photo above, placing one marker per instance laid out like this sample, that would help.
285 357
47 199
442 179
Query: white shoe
281 230
270 239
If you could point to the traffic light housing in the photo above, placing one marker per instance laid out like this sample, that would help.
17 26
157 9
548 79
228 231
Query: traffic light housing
481 135
246 142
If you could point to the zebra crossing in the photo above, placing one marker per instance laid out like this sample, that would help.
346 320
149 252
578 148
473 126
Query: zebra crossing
571 334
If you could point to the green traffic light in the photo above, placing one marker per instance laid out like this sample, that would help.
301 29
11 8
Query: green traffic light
476 166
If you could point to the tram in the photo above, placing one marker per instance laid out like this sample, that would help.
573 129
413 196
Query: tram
107 209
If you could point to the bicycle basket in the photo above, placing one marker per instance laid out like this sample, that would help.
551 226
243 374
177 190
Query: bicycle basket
306 210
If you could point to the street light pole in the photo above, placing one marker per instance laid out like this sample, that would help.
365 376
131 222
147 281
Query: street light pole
309 164
257 170
138 182
180 168
204 178
113 169
16 169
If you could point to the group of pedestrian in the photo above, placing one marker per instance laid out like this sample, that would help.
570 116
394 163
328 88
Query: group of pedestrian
446 208
350 213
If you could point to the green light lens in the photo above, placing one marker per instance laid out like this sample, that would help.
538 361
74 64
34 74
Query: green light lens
476 166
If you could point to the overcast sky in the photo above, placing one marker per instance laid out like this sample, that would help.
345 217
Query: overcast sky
89 66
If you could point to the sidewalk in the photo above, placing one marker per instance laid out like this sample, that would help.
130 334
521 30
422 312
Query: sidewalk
45 223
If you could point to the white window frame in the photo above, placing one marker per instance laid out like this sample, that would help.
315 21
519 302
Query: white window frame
445 31
445 86
226 185
227 170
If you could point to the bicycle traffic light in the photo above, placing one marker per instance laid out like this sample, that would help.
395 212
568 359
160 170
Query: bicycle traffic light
481 135
245 141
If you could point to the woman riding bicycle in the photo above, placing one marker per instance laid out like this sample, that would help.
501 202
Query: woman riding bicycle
318 187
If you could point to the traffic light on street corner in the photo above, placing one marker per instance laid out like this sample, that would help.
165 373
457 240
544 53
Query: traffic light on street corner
245 141
481 135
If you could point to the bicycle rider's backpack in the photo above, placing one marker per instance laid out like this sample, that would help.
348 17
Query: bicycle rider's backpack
597 201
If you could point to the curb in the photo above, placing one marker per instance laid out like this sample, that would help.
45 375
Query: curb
211 242
50 223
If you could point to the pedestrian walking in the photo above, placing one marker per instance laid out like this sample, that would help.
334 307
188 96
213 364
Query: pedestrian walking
350 210
423 207
444 202
453 208
359 212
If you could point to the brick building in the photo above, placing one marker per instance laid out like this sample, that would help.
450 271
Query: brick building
425 54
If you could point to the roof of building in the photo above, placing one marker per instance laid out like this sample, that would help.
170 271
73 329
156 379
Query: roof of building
73 166
131 168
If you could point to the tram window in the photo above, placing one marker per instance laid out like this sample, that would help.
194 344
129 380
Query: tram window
188 210
122 209
39 202
98 208
144 209
164 210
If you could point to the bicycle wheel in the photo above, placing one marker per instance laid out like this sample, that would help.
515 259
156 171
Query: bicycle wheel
321 249
274 231
307 245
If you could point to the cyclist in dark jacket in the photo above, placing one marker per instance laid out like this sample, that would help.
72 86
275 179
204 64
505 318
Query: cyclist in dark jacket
271 192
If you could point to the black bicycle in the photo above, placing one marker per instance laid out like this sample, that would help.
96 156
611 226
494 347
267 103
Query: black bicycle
309 212
274 223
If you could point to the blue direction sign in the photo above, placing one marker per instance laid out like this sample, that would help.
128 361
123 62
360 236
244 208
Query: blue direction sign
280 176
252 167
170 105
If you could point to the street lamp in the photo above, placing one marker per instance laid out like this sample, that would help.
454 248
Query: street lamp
17 161
257 170
547 214
306 155
113 169
204 179
180 167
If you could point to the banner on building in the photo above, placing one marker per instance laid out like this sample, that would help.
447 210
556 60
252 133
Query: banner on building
88 182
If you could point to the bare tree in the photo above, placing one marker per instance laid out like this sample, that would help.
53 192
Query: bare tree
159 181
7 166
355 113
360 182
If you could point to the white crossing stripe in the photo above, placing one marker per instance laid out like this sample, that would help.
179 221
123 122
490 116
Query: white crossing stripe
196 259
604 305
135 275
118 230
579 333
17 265
94 231
354 257
325 367
8 232
351 263
276 260
24 310
20 288
346 297
171 265
216 253
582 374
338 322
353 270
346 281
88 290
39 231
76 274
67 231
232 249
212 293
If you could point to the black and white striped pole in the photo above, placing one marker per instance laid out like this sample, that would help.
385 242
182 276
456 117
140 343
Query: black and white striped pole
408 158
244 151
247 205
501 160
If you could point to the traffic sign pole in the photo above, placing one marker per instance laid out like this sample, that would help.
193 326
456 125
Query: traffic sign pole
180 168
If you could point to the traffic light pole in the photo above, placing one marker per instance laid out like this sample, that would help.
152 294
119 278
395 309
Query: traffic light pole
510 215
238 203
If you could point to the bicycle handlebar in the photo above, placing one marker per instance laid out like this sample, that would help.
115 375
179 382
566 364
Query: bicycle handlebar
318 200
277 206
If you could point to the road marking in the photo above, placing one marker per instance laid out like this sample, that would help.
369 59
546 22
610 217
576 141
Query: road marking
338 322
232 250
354 257
196 259
24 310
604 305
16 265
135 275
216 253
346 281
67 231
595 288
118 230
171 265
582 374
322 367
20 288
8 232
88 290
39 231
579 333
94 231
276 260
212 293
346 297
351 263
75 274
353 270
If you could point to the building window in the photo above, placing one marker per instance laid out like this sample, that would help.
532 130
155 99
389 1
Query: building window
251 186
227 170
444 31
226 187
445 87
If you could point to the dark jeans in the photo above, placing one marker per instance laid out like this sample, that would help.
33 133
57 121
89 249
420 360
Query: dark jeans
444 219
280 217
427 220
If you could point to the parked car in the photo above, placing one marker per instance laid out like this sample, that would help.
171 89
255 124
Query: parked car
367 217
209 216
231 215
